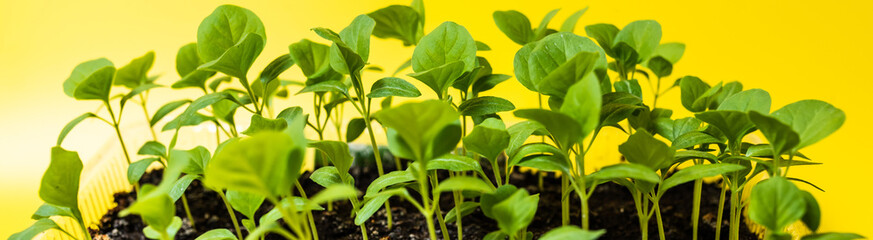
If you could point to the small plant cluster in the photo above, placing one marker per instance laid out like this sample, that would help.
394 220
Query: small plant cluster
589 85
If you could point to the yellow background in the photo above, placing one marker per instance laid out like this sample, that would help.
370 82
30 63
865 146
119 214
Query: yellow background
794 49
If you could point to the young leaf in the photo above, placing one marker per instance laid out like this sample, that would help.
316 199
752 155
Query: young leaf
135 73
333 193
672 52
624 171
694 138
642 148
448 43
180 186
488 82
392 86
541 156
260 124
464 184
327 86
813 120
370 207
515 25
455 163
481 106
157 211
643 36
747 101
781 137
267 163
60 183
480 46
519 133
570 23
516 212
570 72
217 234
733 124
138 168
187 61
355 128
630 86
582 103
697 172
775 203
38 227
337 152
604 34
489 200
229 40
387 180
48 210
692 89
564 129
418 124
660 66
272 71
489 139
312 58
398 22
466 208
245 203
326 176
572 232
812 217
832 236
90 80
540 31
167 109
534 62
69 127
440 78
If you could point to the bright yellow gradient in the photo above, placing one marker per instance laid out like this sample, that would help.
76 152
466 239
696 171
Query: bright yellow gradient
793 49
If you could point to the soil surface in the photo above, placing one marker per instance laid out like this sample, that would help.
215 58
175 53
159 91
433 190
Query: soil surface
611 208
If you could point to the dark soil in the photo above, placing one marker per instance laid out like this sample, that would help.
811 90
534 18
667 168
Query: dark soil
611 208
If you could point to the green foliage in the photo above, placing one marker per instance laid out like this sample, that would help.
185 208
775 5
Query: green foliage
267 163
392 86
813 120
572 232
229 40
489 139
775 203
419 125
642 148
515 212
91 80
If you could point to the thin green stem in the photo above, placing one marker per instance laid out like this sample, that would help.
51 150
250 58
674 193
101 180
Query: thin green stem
147 117
565 201
245 83
436 205
231 213
495 167
695 209
718 219
187 210
313 230
660 221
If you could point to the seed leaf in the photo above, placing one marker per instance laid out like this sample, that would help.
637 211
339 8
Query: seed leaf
481 106
466 208
60 183
455 163
832 236
332 193
776 203
370 207
392 86
91 80
135 73
387 180
461 183
48 210
624 171
229 40
572 232
69 127
217 234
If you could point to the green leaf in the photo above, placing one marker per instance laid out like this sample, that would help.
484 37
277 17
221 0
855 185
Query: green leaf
260 124
564 129
267 163
418 124
516 212
466 208
440 78
540 31
180 186
832 236
217 234
781 137
370 207
630 86
697 172
454 163
60 183
328 34
136 91
515 25
775 203
660 66
48 210
572 232
484 106
489 139
312 58
135 73
693 90
187 61
193 120
152 148
623 171
673 129
326 176
272 71
577 68
536 61
91 80
167 109
327 86
642 148
672 52
813 120
604 34
733 124
245 203
570 23
392 86
448 43
541 156
337 152
332 193
138 168
812 216
746 101
480 46
355 128
398 22
488 82
229 40
357 35
69 127
157 211
488 200
693 154
519 133
174 227
643 36
38 227
582 103
694 138
461 183
387 180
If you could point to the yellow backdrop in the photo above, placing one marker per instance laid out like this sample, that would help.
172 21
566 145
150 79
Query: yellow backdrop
794 49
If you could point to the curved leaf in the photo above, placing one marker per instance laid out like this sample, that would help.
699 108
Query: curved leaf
813 120
392 86
697 172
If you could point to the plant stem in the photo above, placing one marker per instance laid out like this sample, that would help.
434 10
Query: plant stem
660 221
245 83
720 209
495 167
378 156
309 216
187 210
232 215
695 209
148 118
436 205
115 123
565 201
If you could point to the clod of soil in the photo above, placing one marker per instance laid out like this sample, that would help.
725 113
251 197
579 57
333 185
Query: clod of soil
611 208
